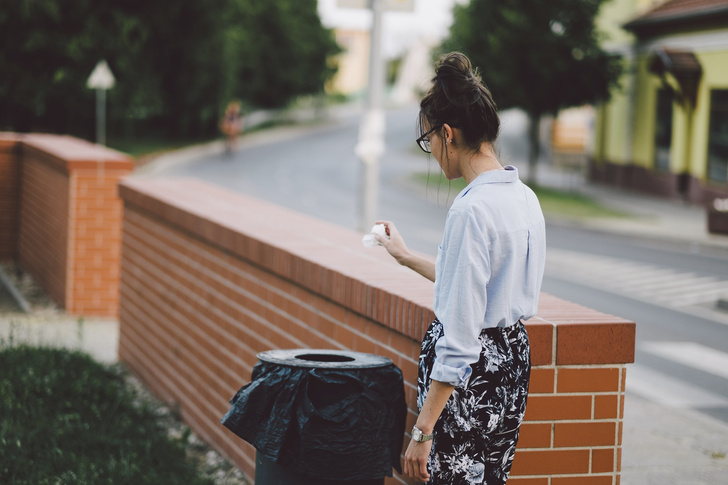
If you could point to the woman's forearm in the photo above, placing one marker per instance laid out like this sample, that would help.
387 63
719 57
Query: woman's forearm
437 396
394 244
420 265
417 453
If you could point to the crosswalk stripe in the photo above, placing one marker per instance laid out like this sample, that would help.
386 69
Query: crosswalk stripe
693 355
669 392
678 284
696 285
663 285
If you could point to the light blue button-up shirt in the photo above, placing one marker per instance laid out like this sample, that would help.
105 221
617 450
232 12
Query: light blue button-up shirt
489 267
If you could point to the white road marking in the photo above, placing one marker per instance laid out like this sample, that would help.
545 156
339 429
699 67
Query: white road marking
664 390
692 355
683 291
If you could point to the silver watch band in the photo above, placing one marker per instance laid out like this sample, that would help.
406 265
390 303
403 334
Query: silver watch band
419 436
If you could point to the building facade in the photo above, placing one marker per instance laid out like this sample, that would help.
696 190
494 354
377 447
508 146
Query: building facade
665 131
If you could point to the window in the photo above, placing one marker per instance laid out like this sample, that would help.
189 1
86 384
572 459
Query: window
718 136
663 130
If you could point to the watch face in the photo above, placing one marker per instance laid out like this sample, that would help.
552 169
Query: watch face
416 434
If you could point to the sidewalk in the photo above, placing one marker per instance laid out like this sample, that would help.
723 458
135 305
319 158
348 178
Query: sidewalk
651 218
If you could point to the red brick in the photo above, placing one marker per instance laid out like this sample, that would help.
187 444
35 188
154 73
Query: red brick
584 434
607 406
620 427
541 338
535 435
596 343
619 460
550 462
548 408
542 380
603 460
583 480
588 380
527 481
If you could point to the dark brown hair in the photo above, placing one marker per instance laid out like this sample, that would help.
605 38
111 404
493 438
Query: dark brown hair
459 98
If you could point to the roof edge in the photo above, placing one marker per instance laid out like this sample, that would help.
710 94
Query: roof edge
674 17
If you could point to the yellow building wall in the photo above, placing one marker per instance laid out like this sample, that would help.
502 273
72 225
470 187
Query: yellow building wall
353 63
715 76
613 118
612 15
645 108
679 155
614 131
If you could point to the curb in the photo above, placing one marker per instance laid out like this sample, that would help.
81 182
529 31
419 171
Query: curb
606 226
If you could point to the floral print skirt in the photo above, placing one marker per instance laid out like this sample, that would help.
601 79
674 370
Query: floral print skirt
476 435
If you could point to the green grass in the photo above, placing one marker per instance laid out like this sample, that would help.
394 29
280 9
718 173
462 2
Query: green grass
572 204
66 419
553 201
141 146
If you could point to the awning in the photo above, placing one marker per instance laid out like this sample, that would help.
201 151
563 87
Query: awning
683 65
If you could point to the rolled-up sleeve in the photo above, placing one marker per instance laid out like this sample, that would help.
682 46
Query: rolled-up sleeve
463 272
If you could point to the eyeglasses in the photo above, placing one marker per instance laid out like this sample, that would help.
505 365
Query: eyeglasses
424 143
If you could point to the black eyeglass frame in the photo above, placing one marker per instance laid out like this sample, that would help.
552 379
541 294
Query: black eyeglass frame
423 142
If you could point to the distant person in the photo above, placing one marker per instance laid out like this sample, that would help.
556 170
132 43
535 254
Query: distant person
475 361
231 125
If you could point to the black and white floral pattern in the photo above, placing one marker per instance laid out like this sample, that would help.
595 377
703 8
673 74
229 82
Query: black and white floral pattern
476 435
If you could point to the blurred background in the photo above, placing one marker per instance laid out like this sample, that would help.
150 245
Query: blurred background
637 85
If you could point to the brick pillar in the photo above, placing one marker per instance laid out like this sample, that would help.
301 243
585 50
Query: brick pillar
70 220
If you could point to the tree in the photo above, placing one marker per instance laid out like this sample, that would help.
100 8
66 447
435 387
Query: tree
540 56
281 52
177 64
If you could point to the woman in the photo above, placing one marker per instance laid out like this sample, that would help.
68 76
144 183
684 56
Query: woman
475 361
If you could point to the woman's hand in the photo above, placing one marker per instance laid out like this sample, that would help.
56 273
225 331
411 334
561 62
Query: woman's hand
415 460
394 244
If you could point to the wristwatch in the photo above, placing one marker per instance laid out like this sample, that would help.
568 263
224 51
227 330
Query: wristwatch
419 436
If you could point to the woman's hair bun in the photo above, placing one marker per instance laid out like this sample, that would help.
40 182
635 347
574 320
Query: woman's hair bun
460 83
459 98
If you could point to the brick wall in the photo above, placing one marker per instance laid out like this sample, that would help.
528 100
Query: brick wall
43 235
65 226
210 278
9 195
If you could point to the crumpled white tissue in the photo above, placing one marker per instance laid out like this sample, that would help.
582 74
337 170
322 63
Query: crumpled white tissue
369 240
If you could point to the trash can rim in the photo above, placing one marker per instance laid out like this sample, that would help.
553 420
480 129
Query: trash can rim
323 359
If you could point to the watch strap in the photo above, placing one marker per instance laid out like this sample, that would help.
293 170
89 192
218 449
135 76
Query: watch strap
419 436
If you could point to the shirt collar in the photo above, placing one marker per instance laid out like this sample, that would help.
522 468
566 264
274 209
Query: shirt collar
509 174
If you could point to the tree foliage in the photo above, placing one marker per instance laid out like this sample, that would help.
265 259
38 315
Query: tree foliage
536 55
539 56
176 63
275 63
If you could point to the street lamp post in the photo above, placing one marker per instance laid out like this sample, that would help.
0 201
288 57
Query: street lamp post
101 79
370 146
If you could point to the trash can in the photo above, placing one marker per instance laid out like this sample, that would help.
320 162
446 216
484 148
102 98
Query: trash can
718 216
320 417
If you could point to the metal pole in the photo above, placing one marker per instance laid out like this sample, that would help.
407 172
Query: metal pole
371 131
101 116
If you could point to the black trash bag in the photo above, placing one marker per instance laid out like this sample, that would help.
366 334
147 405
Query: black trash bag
333 424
